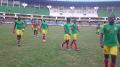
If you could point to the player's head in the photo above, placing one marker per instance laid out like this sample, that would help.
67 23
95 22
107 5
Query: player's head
104 22
98 24
43 20
68 20
19 18
15 18
111 19
74 21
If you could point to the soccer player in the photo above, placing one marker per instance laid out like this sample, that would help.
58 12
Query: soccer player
109 41
19 28
35 27
44 30
67 33
75 30
98 29
103 24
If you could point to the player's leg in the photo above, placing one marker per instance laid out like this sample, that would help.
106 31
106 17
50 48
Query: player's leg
44 33
71 44
18 40
113 60
67 44
74 36
19 34
75 43
34 32
65 40
113 52
98 32
106 55
43 37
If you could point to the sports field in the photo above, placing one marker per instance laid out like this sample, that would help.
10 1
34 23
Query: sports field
33 53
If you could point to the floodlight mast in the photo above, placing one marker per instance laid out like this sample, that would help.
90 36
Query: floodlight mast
24 4
49 6
72 8
96 8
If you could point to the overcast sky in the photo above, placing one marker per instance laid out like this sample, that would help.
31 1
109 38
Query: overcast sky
86 0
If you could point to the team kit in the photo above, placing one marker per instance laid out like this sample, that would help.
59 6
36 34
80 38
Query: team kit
109 35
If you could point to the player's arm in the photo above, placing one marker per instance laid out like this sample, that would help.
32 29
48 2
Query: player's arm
119 40
32 25
47 27
66 31
96 28
101 37
101 40
71 28
78 28
41 27
25 24
14 27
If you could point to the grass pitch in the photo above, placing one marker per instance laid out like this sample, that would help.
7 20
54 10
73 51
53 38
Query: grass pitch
33 53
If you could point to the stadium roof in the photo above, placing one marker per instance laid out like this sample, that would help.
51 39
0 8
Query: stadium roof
86 0
92 3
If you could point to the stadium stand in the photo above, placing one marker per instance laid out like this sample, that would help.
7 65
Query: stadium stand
77 12
104 12
22 10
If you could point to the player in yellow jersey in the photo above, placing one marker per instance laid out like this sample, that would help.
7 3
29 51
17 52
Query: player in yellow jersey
109 41
67 33
35 27
19 28
75 31
44 30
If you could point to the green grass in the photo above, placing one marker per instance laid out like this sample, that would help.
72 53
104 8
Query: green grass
34 53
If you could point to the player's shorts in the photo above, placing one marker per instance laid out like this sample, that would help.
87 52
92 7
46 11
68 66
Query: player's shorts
19 32
35 29
74 36
67 37
113 50
44 31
